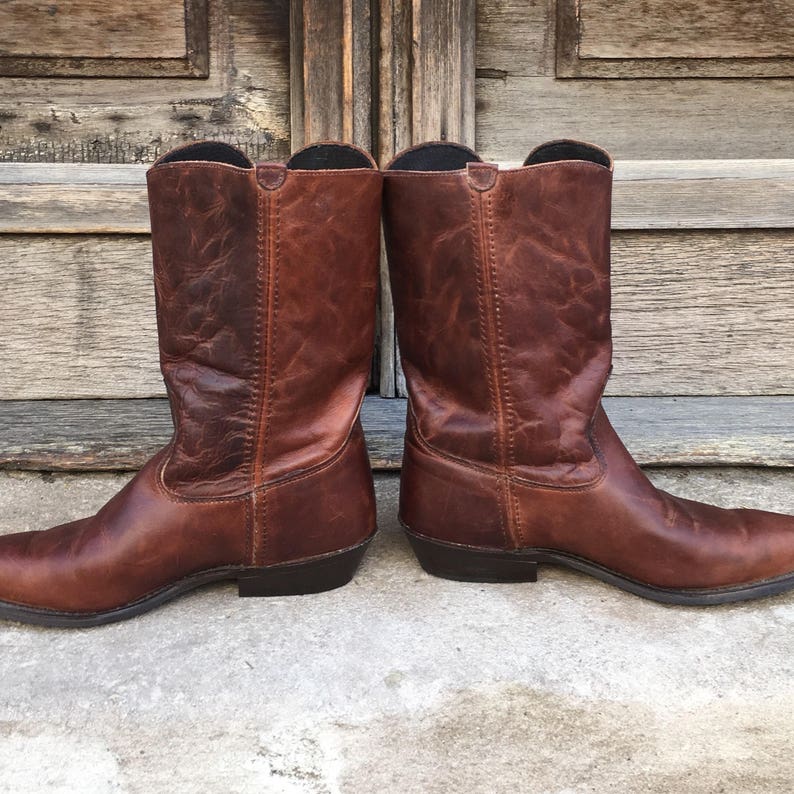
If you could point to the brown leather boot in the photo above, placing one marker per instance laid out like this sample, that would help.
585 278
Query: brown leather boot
502 299
265 279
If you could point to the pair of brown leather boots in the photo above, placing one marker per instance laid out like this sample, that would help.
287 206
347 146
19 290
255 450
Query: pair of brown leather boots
266 279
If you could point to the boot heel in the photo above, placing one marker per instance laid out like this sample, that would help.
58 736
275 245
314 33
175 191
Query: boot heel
466 564
301 578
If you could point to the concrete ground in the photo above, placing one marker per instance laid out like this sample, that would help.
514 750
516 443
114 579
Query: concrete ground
401 682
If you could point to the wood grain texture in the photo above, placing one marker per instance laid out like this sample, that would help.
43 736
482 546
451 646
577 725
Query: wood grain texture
244 100
93 28
426 73
70 174
426 92
91 38
93 209
520 103
331 72
686 29
695 313
703 194
79 317
71 198
683 38
683 194
442 85
96 435
703 313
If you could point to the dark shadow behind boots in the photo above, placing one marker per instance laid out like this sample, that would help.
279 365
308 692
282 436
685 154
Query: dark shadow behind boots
265 280
501 286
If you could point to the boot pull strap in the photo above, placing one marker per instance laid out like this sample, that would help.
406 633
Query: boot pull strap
481 176
271 176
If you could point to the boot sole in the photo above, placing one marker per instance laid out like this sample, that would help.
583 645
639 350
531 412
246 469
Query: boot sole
469 564
316 575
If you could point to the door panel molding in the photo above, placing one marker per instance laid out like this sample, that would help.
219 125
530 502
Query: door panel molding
673 38
92 38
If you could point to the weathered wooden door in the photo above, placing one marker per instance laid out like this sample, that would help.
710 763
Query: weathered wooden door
694 100
90 92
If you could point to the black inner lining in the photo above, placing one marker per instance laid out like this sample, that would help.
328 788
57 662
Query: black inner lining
567 150
435 157
328 157
212 151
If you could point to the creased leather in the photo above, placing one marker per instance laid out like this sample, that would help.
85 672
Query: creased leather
540 251
508 288
266 307
140 541
206 275
436 287
326 281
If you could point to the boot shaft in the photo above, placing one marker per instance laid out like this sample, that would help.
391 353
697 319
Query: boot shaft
265 282
501 289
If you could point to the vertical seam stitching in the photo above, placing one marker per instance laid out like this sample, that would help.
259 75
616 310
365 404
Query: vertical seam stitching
248 528
508 412
273 298
257 407
476 226
263 330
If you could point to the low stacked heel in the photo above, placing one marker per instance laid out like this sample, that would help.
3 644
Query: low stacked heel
467 564
302 578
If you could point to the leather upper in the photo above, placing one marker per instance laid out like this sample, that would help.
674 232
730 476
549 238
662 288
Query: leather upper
265 282
205 240
507 362
502 299
266 313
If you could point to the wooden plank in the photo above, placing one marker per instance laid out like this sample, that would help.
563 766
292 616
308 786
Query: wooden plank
244 100
78 318
73 198
442 85
520 101
703 194
94 38
395 119
81 209
703 312
426 92
93 28
685 29
331 72
680 194
73 174
685 38
659 431
694 313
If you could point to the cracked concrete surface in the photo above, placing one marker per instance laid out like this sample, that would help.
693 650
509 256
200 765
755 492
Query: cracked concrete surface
401 682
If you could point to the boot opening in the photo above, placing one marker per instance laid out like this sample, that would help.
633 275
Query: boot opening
207 151
568 150
434 157
329 157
